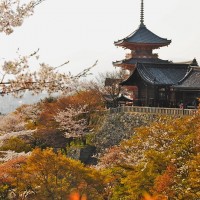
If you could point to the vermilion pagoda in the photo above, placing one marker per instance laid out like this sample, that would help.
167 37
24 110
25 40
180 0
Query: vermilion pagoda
157 82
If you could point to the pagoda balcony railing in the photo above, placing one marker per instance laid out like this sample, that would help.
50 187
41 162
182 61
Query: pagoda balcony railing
153 110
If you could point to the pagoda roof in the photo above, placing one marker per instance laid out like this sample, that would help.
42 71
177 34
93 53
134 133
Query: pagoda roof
143 36
191 80
133 61
158 74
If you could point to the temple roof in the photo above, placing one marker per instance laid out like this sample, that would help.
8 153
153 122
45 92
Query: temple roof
158 74
143 36
190 62
191 80
140 60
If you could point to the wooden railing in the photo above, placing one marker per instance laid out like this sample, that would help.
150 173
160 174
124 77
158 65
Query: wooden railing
153 110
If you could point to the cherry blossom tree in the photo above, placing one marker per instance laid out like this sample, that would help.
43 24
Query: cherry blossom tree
11 123
10 155
71 122
13 13
29 113
16 75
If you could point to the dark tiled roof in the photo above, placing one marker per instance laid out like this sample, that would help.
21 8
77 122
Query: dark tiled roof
159 74
141 60
191 80
144 36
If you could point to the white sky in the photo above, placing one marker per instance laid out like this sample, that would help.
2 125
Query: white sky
84 31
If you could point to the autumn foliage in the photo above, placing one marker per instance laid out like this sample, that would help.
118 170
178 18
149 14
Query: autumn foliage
160 161
49 175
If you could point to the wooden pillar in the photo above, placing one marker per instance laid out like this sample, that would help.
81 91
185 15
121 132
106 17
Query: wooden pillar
167 90
184 99
146 99
156 96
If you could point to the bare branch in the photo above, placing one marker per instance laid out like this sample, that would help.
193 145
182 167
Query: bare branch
85 71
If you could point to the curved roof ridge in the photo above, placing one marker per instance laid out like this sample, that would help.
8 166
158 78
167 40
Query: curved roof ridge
189 62
186 75
128 78
184 62
150 76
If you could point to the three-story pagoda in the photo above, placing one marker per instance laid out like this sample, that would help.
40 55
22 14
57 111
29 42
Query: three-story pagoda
153 81
141 42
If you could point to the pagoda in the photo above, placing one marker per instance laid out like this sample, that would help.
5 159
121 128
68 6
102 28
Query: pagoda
153 81
141 42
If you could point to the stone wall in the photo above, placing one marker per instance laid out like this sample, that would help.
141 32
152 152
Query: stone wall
114 128
109 130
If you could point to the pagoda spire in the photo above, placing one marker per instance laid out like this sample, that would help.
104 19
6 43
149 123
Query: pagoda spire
142 14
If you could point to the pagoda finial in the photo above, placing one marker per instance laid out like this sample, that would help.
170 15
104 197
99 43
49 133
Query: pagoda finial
142 14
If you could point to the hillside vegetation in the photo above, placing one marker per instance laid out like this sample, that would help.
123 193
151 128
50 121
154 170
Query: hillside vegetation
140 156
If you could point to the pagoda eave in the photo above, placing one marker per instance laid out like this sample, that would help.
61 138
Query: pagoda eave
123 65
133 46
118 63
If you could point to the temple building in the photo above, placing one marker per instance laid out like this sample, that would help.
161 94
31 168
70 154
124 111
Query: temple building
157 82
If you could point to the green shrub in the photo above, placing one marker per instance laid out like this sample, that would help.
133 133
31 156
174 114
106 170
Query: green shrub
15 144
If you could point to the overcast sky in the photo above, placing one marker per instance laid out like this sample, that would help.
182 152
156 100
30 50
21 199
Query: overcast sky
84 31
